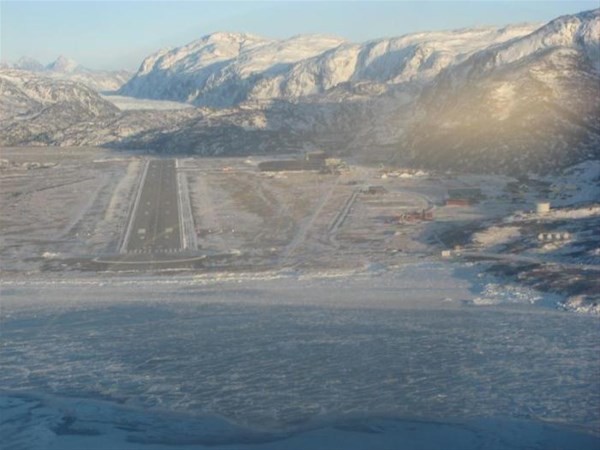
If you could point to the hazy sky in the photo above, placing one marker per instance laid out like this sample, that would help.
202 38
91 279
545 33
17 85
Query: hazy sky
119 34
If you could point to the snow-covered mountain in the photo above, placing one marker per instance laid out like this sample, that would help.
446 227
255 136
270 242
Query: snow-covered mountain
27 63
35 110
62 64
65 68
99 80
225 69
533 102
518 98
220 69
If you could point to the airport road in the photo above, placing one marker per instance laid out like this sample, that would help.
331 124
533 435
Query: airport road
155 226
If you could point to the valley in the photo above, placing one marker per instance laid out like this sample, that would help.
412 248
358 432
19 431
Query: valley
98 211
313 238
516 99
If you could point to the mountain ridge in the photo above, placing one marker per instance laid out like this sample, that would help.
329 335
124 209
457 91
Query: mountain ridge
510 99
65 68
205 71
532 102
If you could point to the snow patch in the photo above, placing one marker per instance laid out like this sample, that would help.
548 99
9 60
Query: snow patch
50 255
503 99
131 103
501 294
574 213
497 235
580 304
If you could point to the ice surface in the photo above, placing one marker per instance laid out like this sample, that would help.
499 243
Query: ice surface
286 355
45 422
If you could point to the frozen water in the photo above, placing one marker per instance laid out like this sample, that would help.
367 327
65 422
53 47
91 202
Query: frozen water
50 423
267 357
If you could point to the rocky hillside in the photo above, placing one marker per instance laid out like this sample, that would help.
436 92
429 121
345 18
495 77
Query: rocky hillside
64 68
36 110
518 98
532 103
225 69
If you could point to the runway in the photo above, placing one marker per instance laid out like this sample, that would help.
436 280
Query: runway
155 221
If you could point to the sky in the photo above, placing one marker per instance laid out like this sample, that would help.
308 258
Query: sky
119 34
